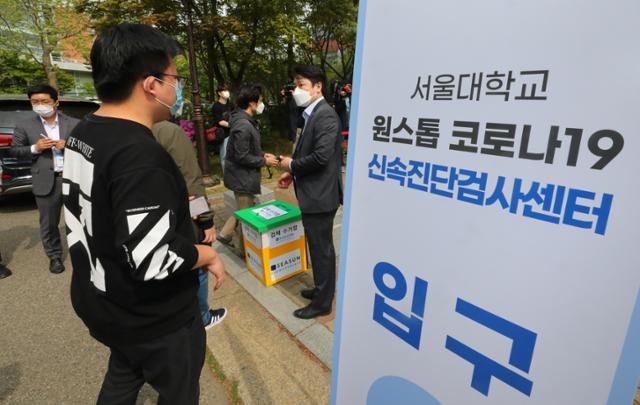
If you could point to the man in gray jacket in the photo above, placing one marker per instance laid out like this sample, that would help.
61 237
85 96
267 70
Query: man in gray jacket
244 156
42 138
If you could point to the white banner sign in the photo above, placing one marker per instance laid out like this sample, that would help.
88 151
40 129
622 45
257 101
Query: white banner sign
490 250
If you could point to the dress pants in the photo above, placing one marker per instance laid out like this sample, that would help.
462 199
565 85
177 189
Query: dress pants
171 364
318 229
49 207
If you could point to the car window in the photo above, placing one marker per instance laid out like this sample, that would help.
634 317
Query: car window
8 119
13 111
78 110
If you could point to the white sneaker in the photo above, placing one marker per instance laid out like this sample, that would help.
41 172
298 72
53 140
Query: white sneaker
217 315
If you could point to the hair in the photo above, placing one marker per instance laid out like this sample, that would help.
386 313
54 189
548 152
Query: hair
247 94
125 53
222 87
311 72
44 89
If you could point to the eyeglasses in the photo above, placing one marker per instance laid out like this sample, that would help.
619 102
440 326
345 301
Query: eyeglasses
42 101
180 80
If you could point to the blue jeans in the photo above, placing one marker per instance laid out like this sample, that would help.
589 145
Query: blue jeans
203 296
223 152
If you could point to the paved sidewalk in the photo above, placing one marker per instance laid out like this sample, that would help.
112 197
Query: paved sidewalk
46 353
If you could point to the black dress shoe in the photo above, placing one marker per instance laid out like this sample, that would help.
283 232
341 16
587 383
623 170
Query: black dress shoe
309 312
56 266
4 272
308 294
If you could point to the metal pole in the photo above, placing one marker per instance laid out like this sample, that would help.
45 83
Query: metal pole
203 158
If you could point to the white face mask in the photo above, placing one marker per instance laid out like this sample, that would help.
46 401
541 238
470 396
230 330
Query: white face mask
301 97
226 94
260 108
45 111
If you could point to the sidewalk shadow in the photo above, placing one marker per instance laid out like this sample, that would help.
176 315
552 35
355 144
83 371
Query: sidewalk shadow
257 389
10 380
15 239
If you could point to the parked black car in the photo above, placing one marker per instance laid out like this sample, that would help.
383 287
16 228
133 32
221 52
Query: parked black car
16 173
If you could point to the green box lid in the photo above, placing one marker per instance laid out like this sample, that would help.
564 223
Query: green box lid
269 215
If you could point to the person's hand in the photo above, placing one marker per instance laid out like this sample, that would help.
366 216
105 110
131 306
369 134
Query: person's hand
271 159
45 143
285 180
285 163
216 267
209 235
60 144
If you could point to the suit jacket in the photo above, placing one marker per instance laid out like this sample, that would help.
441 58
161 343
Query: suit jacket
317 162
27 133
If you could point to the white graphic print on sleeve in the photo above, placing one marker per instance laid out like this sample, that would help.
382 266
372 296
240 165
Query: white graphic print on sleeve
78 175
163 261
134 220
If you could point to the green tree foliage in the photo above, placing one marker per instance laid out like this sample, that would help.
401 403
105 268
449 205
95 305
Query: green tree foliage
37 28
18 73
331 25
244 41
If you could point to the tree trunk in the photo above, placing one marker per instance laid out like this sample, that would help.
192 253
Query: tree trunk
48 68
291 58
252 49
210 69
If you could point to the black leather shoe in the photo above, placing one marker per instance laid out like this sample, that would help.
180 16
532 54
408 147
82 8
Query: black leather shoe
4 272
308 294
309 312
56 266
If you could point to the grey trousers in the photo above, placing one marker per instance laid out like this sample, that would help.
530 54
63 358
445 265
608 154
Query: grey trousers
50 207
318 229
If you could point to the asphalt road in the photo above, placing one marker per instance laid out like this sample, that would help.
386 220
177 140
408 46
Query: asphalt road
46 353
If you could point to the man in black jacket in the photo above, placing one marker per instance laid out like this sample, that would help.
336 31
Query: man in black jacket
244 157
316 175
129 229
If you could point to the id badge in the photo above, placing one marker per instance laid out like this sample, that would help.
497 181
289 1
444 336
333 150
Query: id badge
58 160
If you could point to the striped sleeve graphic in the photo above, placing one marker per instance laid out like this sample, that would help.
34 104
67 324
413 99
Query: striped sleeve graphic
152 257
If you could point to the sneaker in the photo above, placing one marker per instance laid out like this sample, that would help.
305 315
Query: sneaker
217 315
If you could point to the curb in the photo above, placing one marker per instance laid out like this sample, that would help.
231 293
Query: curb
313 335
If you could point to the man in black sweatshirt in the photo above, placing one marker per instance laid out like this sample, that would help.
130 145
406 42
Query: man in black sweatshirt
128 224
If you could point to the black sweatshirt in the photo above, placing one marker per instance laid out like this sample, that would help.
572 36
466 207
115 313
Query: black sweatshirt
129 233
